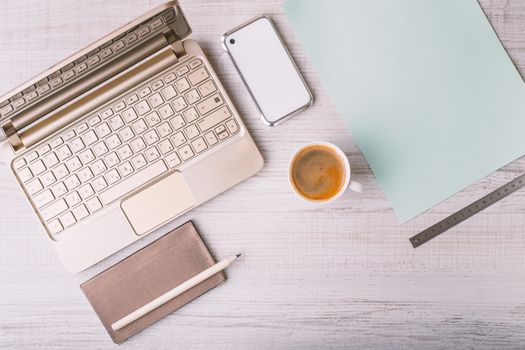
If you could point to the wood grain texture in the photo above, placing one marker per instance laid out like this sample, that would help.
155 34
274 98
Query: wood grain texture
343 276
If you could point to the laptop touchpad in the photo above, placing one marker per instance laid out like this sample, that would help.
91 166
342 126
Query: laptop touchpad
158 203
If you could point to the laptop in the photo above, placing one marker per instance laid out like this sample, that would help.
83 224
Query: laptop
124 136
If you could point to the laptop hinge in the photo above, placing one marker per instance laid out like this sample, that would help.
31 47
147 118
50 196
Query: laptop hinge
26 138
176 44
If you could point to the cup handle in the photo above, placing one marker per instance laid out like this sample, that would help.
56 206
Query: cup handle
355 186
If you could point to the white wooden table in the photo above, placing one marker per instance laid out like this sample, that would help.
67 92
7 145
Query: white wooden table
343 276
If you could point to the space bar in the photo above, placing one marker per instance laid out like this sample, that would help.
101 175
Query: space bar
133 182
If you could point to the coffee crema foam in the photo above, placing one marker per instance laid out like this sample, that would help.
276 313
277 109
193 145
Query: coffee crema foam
318 172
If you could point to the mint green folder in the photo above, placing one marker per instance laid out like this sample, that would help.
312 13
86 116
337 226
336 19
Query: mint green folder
425 87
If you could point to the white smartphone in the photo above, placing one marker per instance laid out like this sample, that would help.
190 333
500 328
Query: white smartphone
267 69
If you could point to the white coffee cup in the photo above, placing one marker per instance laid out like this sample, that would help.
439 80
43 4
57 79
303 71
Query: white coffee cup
347 183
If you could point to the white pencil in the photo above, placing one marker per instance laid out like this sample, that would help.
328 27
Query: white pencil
164 298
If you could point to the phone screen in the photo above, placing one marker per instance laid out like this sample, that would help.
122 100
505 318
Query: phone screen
267 70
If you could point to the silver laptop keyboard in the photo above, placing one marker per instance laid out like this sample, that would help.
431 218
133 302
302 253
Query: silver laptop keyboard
174 117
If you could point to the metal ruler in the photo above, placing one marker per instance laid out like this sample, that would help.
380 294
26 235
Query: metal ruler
468 211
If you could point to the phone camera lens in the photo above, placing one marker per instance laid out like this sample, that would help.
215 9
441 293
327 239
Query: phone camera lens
232 41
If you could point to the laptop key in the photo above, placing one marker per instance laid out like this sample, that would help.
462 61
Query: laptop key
72 182
25 174
232 126
165 146
34 186
214 118
85 175
76 145
94 121
178 139
191 115
80 212
58 141
54 209
103 130
86 156
140 177
126 134
50 160
164 130
168 93
99 184
199 145
210 104
48 179
152 154
169 78
112 176
157 85
68 219
98 167
179 104
142 108
132 99
129 115
44 149
60 171
43 198
63 152
192 96
145 92
116 122
59 189
155 100
125 169
90 138
81 128
111 159
191 132
166 111
68 135
37 167
100 149
195 63
153 119
182 70
113 141
74 164
198 76
182 85
211 138
19 163
86 191
31 156
138 161
173 159
151 137
119 106
138 144
186 152
93 204
73 199
55 226
223 135
124 152
177 122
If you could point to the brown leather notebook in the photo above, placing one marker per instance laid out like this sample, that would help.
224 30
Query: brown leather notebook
147 274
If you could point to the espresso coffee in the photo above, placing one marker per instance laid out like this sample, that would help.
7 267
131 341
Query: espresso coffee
318 172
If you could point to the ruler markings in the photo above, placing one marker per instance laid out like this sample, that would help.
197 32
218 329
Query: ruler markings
467 212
